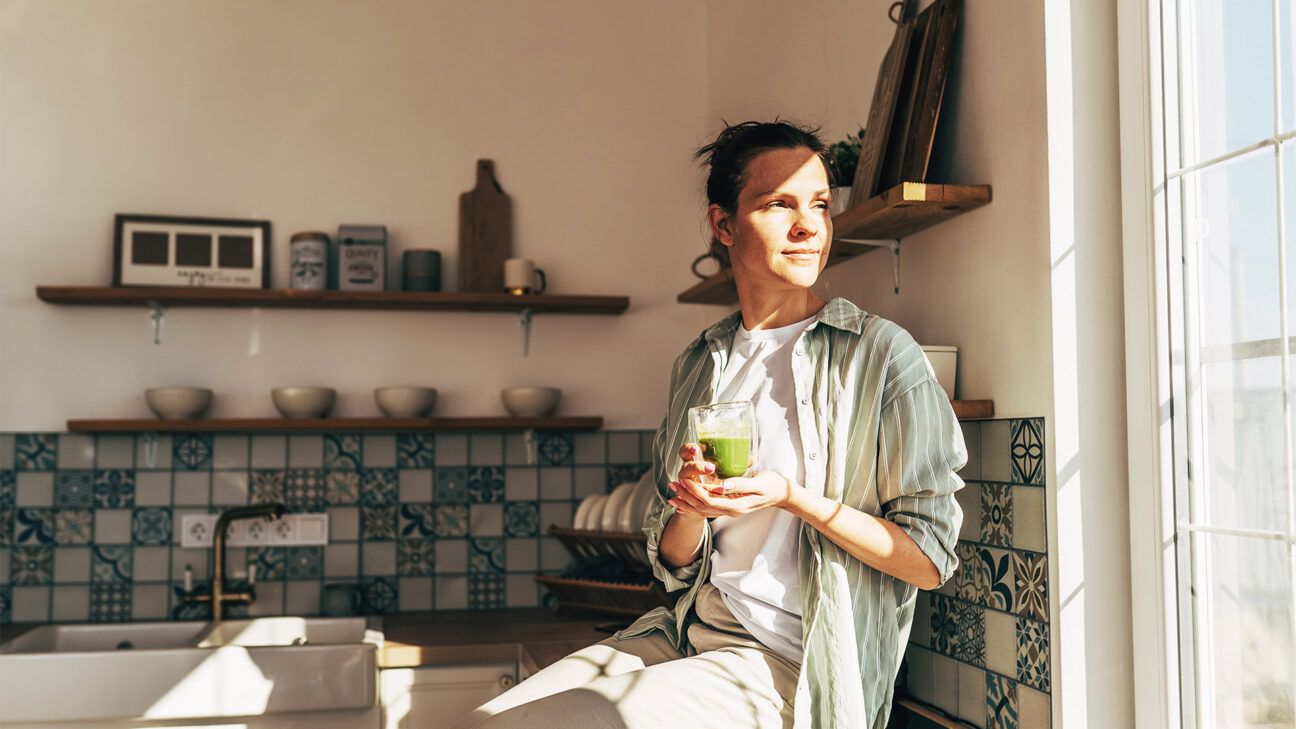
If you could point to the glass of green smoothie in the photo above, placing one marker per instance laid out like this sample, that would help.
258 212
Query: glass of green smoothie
727 433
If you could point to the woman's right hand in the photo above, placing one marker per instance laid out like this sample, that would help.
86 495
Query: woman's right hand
697 475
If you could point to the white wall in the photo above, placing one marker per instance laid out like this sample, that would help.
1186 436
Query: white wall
313 113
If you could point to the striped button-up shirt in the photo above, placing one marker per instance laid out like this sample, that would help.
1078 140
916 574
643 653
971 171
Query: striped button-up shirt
878 435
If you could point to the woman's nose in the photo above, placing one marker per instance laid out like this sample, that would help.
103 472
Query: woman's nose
804 226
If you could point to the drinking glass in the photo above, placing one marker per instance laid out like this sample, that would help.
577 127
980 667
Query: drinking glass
727 433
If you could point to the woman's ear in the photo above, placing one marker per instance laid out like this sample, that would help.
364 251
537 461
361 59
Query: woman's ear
720 222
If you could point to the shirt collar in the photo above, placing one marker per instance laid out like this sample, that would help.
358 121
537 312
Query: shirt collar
838 313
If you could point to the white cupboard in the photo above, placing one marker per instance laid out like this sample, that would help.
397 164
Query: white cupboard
435 697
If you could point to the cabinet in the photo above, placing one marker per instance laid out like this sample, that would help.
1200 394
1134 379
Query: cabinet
437 697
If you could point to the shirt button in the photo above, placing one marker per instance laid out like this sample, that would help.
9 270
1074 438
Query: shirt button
812 456
800 351
805 401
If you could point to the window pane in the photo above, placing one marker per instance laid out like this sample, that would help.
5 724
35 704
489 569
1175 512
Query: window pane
1245 481
1231 211
1227 73
1243 620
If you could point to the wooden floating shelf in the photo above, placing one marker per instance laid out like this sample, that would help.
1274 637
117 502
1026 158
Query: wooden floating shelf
897 213
294 299
317 425
973 409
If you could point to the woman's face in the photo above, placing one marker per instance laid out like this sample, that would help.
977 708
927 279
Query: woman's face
780 235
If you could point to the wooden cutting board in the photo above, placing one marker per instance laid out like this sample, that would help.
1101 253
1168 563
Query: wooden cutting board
876 133
938 22
485 232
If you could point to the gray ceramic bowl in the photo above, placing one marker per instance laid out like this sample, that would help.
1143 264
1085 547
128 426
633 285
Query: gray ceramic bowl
303 402
178 403
405 402
530 402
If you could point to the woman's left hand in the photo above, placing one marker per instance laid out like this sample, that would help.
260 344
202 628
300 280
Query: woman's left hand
734 497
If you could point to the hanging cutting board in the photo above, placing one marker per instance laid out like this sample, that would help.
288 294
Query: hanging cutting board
485 232
874 142
938 26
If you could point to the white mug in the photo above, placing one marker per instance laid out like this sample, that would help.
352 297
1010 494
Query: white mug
520 275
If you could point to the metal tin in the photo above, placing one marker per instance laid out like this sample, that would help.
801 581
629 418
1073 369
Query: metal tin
308 253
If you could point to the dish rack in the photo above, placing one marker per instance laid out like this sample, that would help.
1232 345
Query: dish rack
618 598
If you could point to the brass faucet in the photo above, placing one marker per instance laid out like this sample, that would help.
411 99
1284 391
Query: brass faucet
219 595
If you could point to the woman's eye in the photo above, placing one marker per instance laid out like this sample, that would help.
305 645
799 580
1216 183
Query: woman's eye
774 203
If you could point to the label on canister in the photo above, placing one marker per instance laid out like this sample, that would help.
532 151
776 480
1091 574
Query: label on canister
309 263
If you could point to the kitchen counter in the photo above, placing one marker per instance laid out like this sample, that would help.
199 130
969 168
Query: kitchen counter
535 637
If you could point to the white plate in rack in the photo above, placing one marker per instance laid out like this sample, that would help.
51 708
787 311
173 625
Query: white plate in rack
610 520
594 518
582 511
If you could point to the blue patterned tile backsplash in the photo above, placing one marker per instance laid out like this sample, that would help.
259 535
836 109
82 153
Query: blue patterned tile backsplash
986 630
418 521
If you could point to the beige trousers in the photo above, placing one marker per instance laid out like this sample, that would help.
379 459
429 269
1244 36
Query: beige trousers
644 682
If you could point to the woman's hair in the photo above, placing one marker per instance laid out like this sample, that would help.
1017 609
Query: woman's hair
728 156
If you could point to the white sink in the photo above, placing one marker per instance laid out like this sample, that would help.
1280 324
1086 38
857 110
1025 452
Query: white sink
159 671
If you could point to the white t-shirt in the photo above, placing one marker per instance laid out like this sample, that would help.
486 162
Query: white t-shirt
754 562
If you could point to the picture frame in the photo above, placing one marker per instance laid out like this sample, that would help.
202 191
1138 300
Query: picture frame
179 251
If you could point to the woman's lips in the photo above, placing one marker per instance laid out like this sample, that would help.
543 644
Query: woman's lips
802 255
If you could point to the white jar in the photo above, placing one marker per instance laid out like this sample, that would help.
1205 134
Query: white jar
944 363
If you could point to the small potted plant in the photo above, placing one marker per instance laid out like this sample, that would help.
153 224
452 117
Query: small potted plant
843 157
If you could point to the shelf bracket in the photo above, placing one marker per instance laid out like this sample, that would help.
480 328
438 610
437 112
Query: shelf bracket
524 318
157 317
891 244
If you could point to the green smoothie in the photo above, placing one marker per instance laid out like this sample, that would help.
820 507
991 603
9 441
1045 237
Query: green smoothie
730 454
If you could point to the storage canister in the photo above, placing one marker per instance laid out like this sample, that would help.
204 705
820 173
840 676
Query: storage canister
308 253
944 363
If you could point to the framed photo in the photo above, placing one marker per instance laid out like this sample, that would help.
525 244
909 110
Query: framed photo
157 250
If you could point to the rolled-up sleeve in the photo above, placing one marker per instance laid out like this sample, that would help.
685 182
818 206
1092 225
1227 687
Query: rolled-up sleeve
673 578
920 450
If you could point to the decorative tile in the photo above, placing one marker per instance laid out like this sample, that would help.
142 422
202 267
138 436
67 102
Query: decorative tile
378 595
34 526
1028 519
969 582
417 520
1030 578
416 558
74 489
996 514
521 519
556 449
6 604
1033 653
1028 451
267 487
486 590
619 474
6 526
110 563
486 484
151 526
304 563
74 526
944 624
342 487
114 489
1001 702
269 562
451 520
378 558
342 452
304 490
191 451
8 488
451 450
35 451
378 523
998 572
486 554
451 485
31 565
378 486
110 603
970 647
415 450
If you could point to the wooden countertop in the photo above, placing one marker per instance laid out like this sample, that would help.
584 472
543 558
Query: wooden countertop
535 637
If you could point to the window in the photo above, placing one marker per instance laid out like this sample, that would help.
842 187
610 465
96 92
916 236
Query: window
1223 87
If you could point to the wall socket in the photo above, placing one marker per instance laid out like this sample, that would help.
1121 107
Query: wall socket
292 530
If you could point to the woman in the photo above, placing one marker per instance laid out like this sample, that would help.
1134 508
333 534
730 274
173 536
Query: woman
795 585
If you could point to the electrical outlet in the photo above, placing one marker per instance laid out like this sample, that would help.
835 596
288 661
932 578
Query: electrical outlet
196 530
